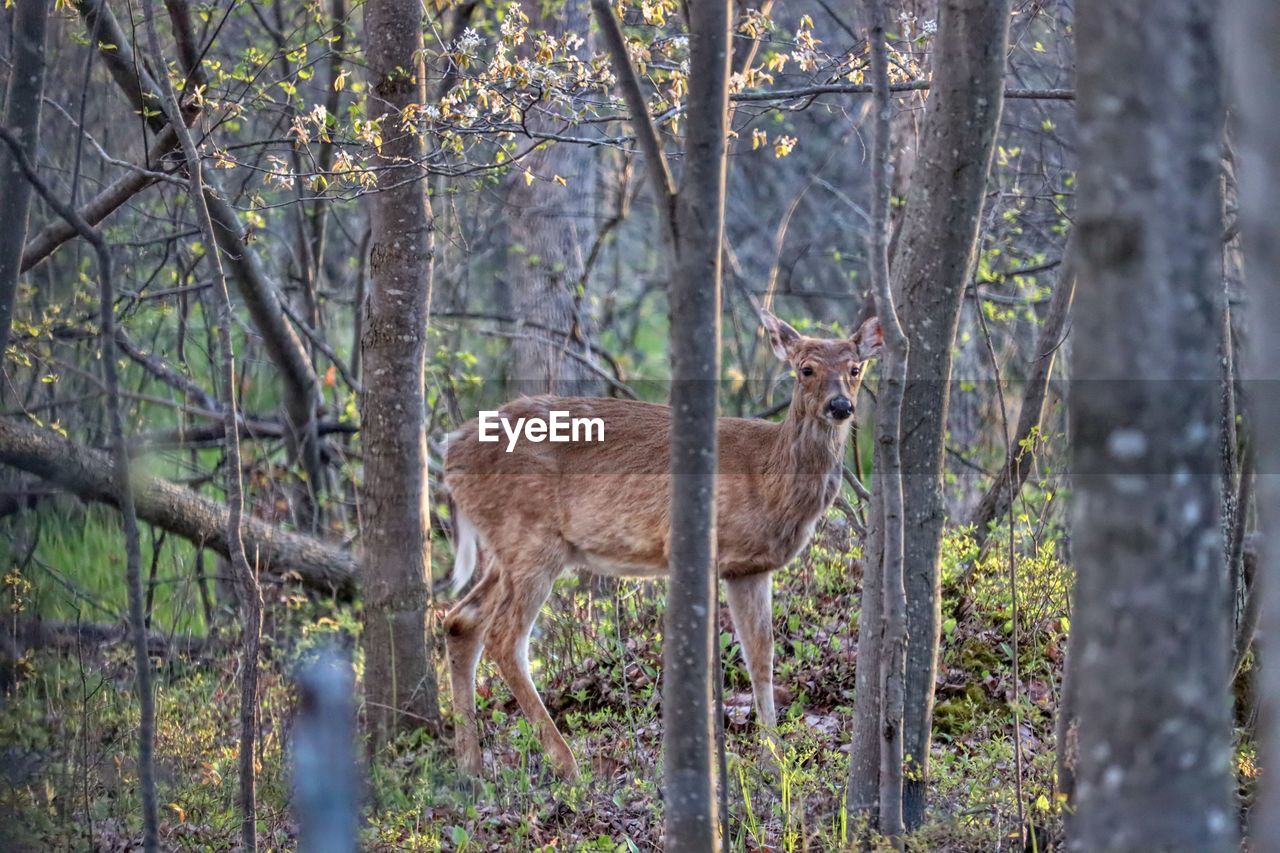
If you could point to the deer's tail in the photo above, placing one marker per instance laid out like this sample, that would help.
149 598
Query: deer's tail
466 538
466 550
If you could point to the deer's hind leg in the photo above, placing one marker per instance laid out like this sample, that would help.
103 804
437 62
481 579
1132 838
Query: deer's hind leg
526 583
464 639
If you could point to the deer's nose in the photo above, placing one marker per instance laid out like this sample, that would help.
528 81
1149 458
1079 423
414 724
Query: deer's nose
840 408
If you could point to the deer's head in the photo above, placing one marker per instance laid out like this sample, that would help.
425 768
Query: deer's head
828 372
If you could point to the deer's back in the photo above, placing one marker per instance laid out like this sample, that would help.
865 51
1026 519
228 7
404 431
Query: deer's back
605 504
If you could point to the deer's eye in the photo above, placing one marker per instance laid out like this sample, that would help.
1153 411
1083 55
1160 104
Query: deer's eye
854 371
806 371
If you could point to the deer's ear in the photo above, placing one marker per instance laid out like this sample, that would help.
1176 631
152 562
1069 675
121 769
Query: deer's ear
781 336
869 339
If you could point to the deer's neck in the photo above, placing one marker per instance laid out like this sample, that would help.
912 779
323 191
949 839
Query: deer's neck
805 461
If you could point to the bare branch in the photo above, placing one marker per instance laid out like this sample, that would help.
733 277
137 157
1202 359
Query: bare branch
98 208
664 187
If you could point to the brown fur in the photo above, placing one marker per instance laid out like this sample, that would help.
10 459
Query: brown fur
604 506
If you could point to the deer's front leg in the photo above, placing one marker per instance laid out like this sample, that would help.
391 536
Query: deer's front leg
751 605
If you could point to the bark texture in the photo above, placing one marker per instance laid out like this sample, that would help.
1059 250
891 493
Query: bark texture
1154 732
87 474
22 118
1255 57
692 823
888 487
400 685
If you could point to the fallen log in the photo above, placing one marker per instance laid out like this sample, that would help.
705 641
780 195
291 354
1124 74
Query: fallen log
87 473
36 633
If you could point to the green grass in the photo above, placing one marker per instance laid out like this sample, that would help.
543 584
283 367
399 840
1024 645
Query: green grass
77 571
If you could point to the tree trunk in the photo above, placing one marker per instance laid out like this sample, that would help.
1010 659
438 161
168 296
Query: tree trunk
888 486
1154 734
22 118
400 686
932 268
1256 66
862 798
692 823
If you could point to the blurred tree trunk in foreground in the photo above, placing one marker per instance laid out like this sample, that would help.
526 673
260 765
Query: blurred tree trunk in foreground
1253 26
1154 734
399 678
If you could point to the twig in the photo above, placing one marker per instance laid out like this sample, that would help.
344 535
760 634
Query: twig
646 131
250 589
894 88
1012 484
617 385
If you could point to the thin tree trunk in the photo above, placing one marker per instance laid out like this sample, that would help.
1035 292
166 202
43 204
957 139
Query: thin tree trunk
1256 78
862 798
250 592
333 103
888 486
690 631
22 118
1066 741
932 268
1155 768
400 684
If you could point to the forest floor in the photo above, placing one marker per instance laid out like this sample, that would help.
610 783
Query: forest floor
69 719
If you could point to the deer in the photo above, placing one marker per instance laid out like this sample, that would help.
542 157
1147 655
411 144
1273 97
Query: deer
532 511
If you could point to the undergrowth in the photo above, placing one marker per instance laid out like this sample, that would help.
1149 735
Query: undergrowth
69 718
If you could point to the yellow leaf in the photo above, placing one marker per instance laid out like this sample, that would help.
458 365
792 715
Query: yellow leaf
528 178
